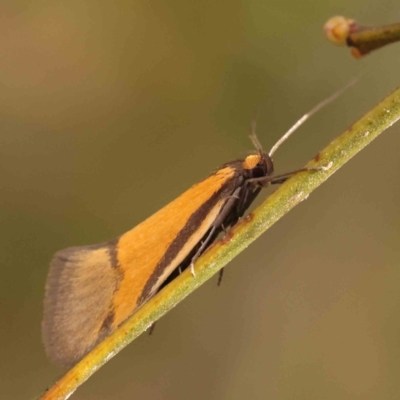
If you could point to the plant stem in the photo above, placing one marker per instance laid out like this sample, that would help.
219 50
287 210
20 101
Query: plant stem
292 192
361 39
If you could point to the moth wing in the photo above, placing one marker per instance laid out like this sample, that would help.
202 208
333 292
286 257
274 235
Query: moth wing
79 291
90 290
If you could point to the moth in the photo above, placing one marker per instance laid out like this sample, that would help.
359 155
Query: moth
91 290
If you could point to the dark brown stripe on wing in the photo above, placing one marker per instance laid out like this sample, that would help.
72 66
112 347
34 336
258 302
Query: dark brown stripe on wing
111 247
106 325
113 254
187 231
112 251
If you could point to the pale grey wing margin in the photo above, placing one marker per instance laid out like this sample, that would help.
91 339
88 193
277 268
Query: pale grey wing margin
79 290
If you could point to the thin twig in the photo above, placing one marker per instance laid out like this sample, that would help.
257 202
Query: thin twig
298 188
361 39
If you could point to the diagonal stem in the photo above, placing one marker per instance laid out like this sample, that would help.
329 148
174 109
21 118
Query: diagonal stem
292 192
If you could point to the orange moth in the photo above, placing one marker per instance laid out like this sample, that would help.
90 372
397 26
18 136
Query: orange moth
91 290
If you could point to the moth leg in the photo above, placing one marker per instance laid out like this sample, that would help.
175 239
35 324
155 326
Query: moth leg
151 329
272 180
248 196
284 177
220 276
279 181
226 209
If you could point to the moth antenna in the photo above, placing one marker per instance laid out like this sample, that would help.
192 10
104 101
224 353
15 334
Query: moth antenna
305 117
253 136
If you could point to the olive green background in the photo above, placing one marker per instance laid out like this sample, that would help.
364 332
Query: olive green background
109 110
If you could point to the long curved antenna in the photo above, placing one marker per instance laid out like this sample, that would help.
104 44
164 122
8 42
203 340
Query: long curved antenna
305 117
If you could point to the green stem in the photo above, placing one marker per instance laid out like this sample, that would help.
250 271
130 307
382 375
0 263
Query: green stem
245 232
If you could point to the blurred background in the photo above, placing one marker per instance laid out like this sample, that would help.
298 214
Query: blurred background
109 110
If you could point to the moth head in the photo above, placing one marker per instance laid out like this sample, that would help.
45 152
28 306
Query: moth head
258 165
